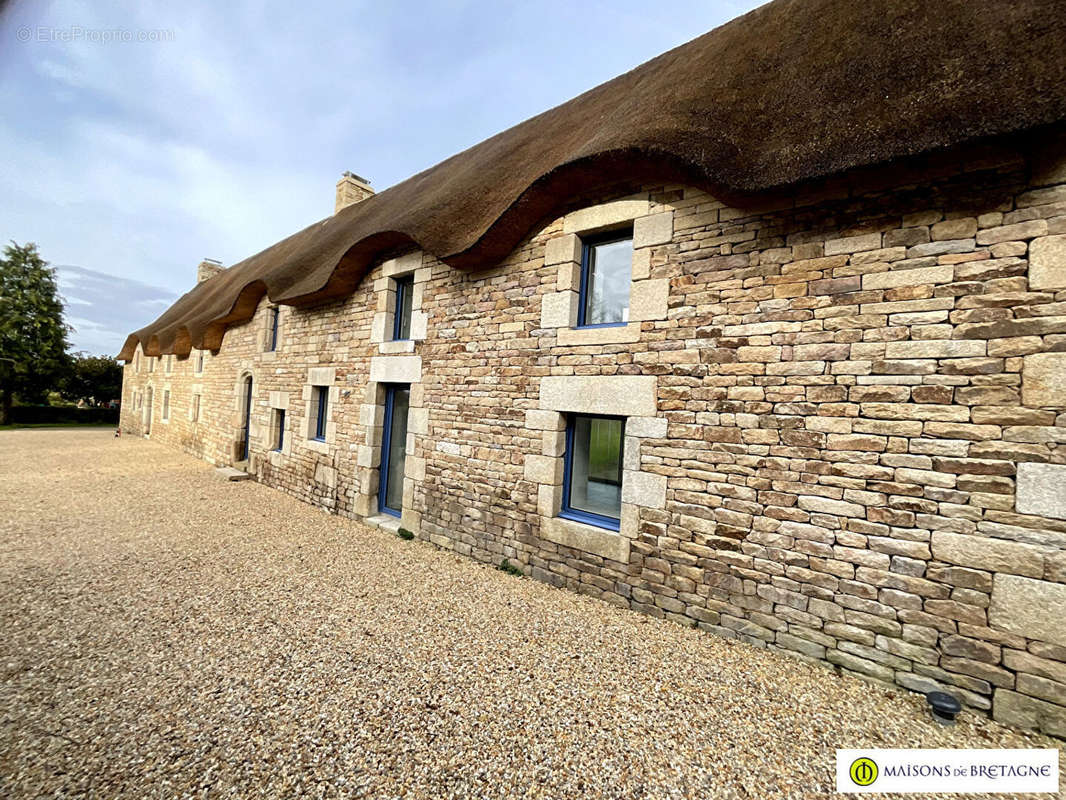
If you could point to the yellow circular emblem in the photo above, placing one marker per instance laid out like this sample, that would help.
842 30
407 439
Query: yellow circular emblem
863 771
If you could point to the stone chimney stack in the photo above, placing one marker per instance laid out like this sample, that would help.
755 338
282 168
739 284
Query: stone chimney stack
208 269
351 189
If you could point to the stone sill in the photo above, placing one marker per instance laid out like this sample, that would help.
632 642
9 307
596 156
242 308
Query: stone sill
402 346
619 334
587 538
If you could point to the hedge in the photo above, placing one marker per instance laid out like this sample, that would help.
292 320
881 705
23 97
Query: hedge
48 415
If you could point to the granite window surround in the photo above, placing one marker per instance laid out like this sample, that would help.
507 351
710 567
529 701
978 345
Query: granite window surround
271 331
409 269
561 310
279 402
631 397
386 371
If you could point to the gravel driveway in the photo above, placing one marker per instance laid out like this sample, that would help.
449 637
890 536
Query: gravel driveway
166 634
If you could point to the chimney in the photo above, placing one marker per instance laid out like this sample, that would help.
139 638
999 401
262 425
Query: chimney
208 268
351 189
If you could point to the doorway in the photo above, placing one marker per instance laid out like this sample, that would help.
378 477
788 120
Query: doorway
394 449
246 427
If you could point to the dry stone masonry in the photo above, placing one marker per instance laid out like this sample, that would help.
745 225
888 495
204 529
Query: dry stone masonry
845 405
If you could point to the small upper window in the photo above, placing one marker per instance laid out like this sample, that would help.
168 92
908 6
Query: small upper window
279 428
606 271
170 364
200 361
592 486
166 405
275 316
321 409
151 363
401 326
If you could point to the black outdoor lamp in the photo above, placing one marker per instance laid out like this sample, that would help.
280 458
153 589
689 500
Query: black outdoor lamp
945 707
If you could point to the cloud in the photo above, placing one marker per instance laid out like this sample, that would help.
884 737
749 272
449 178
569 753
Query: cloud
138 159
106 308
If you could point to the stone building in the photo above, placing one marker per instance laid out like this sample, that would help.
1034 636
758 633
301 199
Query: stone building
746 338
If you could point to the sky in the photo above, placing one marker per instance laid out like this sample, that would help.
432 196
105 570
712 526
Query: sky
139 138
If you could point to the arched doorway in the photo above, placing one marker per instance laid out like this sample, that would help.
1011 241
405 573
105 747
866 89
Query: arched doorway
148 411
246 424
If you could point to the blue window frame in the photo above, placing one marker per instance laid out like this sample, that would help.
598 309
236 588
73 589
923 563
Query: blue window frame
606 273
279 415
592 476
401 320
322 400
275 315
394 449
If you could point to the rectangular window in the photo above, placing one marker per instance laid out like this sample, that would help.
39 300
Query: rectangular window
196 408
166 404
279 428
322 406
592 483
606 272
170 364
275 315
151 363
200 361
401 324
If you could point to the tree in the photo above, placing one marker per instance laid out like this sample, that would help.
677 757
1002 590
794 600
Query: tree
33 336
96 377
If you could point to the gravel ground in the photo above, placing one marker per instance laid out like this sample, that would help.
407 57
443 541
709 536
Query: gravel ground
166 634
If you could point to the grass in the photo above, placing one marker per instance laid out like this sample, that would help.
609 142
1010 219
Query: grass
605 448
509 568
405 534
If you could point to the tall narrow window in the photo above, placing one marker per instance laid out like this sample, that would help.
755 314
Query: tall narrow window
279 428
275 315
170 364
592 484
200 361
166 404
196 408
321 409
401 325
606 272
394 449
151 363
246 428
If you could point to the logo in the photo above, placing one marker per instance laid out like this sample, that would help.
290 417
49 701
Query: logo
984 772
863 771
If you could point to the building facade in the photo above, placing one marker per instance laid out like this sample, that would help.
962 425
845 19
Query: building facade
829 418
844 418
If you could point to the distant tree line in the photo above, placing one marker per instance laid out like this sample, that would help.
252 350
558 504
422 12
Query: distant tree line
36 365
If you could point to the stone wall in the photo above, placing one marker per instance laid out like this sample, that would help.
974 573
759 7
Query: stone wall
847 418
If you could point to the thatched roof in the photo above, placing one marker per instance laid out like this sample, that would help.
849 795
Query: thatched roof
793 91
